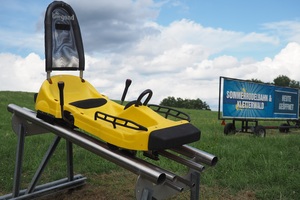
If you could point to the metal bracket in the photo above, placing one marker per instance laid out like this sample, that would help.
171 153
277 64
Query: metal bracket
147 190
29 128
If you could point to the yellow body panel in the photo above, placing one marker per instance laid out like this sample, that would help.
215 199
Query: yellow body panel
75 90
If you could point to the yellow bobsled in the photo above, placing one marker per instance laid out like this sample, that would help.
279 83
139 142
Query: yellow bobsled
73 101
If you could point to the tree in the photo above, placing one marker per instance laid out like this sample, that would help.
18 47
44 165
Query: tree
255 80
294 84
170 101
282 80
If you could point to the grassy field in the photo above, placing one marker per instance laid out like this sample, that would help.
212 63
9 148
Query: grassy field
249 167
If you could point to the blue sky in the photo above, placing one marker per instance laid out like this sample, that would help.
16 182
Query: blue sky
245 16
185 44
233 15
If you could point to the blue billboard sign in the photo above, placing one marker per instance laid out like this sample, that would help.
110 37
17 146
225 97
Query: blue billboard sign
245 99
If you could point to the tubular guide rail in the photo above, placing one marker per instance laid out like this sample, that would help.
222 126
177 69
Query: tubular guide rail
153 181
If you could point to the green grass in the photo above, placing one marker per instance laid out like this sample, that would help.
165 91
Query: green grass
248 167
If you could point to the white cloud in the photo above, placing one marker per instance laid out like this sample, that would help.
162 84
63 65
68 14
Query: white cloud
214 39
287 30
183 59
21 74
199 80
286 62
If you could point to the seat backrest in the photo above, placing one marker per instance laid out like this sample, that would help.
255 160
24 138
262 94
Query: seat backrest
63 42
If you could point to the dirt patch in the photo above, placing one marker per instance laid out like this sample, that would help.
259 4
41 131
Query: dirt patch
120 185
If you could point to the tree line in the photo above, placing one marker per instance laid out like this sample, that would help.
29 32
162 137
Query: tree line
281 80
197 104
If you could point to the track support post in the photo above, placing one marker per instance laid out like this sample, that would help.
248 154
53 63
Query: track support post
19 161
24 129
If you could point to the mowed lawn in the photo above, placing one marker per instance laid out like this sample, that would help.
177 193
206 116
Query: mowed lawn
249 167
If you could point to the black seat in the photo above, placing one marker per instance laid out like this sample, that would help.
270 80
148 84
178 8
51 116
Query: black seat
89 103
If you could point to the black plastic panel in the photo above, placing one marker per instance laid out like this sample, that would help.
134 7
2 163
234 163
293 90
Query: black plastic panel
173 137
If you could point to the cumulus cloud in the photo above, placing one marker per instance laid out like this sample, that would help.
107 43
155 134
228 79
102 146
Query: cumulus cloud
183 59
197 80
286 62
112 26
21 74
118 26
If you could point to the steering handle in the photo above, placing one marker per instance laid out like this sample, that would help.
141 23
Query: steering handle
146 92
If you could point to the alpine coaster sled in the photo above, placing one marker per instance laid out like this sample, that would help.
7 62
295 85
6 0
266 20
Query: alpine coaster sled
72 101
